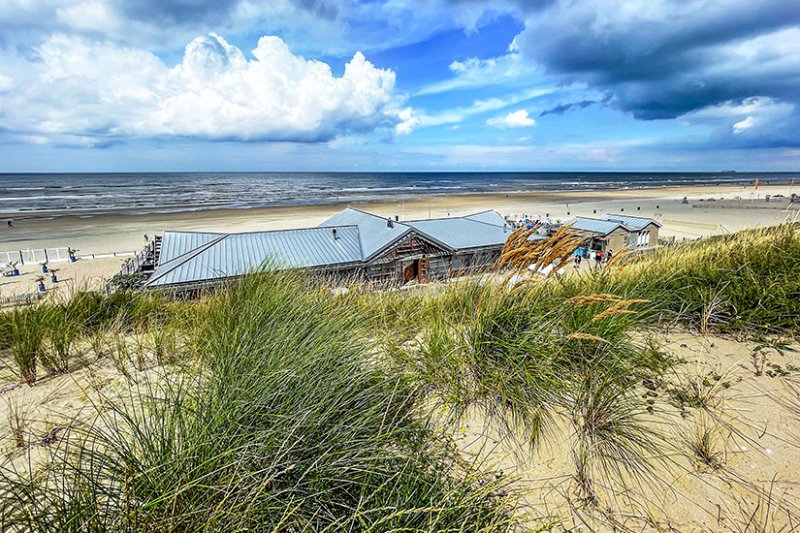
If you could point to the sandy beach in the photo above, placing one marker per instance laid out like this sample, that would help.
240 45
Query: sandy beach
734 208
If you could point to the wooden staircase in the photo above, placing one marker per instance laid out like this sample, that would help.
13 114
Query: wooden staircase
423 268
157 248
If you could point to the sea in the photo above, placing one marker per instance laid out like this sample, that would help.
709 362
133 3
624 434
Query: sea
31 195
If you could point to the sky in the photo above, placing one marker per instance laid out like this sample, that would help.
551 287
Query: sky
397 85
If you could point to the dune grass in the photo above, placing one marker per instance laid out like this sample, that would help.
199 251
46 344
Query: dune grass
22 332
283 425
273 404
574 349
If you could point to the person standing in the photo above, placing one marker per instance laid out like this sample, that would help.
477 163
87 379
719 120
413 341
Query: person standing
608 256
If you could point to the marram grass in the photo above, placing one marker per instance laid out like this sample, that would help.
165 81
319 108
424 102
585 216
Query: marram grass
284 426
273 405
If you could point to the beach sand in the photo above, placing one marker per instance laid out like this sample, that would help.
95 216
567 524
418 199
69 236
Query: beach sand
106 233
753 432
752 428
72 277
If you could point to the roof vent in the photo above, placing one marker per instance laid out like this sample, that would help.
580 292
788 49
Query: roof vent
335 236
389 223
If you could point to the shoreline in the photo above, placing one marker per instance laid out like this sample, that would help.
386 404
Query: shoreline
89 214
122 232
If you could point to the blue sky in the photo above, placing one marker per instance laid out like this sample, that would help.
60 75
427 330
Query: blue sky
149 85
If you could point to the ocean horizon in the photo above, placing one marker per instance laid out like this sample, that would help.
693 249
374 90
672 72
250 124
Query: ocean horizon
28 195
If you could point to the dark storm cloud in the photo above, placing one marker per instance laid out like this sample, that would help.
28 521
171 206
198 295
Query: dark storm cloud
663 59
194 11
523 6
177 11
321 8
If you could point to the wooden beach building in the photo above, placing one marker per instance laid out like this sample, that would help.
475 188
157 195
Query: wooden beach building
615 232
352 245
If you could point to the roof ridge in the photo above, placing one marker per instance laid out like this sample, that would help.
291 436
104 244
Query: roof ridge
624 215
373 215
648 219
295 229
194 232
487 223
465 217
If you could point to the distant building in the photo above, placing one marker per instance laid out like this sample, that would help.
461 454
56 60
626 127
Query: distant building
615 232
352 245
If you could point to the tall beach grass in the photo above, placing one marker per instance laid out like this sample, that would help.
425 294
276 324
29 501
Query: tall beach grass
285 425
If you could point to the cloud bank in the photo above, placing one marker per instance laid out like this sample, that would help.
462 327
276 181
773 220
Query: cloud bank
91 89
663 59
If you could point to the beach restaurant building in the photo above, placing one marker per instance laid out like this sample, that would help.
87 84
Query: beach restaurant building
352 245
615 232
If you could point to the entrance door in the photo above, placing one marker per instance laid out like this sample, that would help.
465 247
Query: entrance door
410 270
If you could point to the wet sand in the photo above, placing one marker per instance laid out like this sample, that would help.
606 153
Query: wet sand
119 232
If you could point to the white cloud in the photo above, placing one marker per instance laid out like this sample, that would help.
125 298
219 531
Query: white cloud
515 119
475 72
408 121
458 114
748 106
93 15
742 125
6 83
751 117
102 90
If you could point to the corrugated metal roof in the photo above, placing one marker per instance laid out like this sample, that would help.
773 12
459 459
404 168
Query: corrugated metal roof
633 222
594 225
190 257
461 233
176 243
374 230
488 217
238 254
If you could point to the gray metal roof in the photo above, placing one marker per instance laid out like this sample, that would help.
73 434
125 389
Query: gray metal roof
374 230
240 253
633 222
176 243
190 257
461 233
489 216
594 225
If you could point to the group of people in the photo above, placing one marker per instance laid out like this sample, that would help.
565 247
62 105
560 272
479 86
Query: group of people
528 222
599 257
